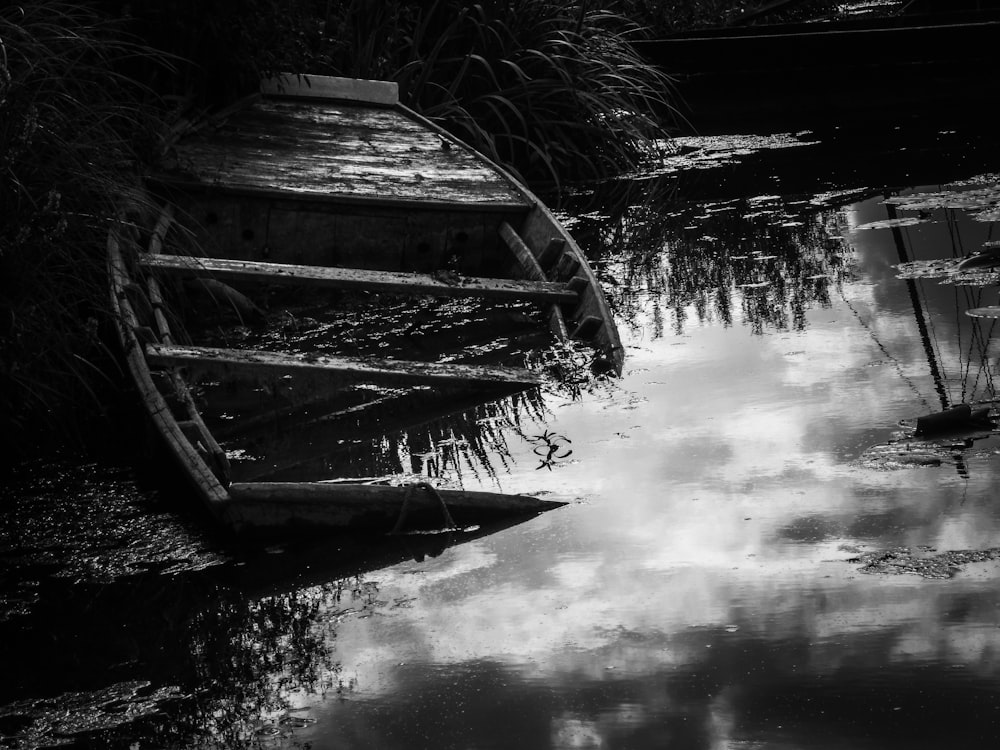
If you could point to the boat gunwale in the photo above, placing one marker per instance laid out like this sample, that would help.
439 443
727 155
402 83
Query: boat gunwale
213 492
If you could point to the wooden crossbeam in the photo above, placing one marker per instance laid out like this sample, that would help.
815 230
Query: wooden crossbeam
355 278
354 368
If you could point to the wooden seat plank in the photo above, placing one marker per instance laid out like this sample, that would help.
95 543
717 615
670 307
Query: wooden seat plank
357 368
326 150
354 278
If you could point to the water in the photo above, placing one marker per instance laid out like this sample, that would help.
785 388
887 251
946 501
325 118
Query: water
757 553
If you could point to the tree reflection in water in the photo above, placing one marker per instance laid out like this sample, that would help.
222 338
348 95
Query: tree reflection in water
764 260
210 665
254 659
124 623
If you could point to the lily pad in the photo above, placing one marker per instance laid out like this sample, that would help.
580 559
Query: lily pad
903 221
938 268
982 198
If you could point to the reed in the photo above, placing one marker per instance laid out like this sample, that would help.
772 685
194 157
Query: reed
68 149
553 90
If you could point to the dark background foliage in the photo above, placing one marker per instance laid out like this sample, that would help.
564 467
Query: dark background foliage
553 90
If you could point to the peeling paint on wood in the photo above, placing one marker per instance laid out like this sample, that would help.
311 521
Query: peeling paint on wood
352 278
353 368
325 150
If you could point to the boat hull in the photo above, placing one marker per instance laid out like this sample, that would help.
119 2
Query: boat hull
267 509
336 207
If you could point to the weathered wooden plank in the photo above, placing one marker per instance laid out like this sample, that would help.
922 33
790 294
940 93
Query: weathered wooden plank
567 266
531 268
354 368
331 87
220 463
325 233
324 148
209 488
354 278
360 194
551 252
155 297
525 258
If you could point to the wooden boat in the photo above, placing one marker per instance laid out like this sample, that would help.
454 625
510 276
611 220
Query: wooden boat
329 189
805 74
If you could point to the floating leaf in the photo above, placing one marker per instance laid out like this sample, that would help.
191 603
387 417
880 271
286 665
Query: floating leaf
992 311
987 258
991 215
961 197
903 221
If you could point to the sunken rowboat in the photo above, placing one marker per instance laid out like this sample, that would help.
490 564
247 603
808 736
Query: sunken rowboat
326 196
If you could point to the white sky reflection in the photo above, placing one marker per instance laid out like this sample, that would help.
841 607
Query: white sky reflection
716 495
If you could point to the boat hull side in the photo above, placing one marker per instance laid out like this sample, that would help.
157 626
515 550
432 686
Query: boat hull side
263 509
365 236
539 228
210 490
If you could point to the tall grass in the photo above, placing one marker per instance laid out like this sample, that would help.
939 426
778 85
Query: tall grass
67 154
554 90
223 48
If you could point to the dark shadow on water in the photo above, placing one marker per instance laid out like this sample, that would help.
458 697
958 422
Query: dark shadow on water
121 625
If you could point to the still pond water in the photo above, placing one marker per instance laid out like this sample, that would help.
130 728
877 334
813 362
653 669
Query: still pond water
757 550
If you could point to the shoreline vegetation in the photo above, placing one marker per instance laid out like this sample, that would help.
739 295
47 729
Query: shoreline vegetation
552 90
72 127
